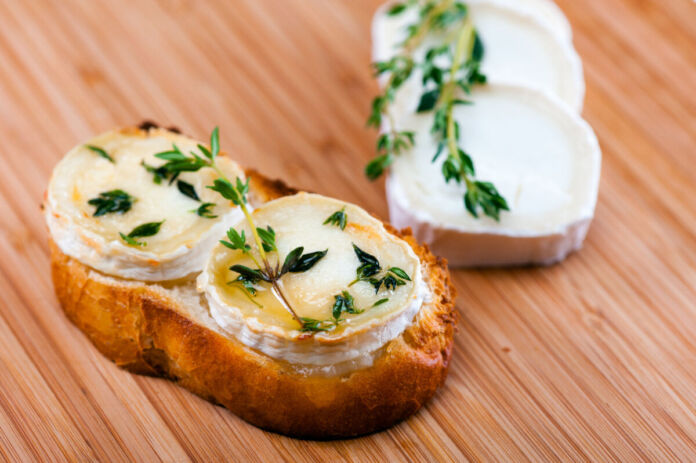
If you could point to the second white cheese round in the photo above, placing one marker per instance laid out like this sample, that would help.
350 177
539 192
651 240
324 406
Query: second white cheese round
545 11
269 328
542 158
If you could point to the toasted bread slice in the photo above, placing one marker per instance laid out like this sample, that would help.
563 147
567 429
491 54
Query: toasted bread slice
165 329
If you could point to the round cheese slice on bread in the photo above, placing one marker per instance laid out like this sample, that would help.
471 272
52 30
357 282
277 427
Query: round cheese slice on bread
116 164
542 157
519 49
263 323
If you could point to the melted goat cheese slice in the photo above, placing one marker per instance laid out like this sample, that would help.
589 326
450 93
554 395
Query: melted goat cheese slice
298 221
184 239
519 49
542 158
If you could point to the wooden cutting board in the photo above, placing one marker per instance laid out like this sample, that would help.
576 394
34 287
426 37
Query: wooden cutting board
590 360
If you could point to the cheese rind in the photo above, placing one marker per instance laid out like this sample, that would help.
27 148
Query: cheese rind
298 221
519 49
543 159
180 247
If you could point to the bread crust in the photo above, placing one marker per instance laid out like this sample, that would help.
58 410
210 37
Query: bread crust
143 331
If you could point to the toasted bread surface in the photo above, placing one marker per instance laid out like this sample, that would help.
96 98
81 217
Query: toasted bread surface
165 330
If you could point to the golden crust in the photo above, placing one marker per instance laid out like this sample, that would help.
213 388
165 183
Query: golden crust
143 330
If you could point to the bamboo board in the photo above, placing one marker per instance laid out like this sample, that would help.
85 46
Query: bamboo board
590 360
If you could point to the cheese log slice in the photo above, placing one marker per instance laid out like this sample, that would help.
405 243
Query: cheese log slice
182 244
543 158
267 326
545 11
519 49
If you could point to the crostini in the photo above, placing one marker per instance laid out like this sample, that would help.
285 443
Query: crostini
302 314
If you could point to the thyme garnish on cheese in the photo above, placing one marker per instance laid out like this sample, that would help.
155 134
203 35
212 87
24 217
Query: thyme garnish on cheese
204 211
101 152
267 270
338 218
343 303
141 231
371 272
158 173
187 189
113 201
441 87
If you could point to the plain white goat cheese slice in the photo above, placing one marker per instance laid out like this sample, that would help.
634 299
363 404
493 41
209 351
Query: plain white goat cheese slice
179 248
544 10
265 324
543 158
519 49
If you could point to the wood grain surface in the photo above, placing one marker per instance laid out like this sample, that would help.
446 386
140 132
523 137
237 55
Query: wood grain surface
590 360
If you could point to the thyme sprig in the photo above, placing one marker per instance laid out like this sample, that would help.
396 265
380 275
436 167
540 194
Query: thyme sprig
267 270
440 95
296 261
113 201
370 271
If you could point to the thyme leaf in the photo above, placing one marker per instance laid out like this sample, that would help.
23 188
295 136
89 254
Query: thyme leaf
343 302
291 259
158 173
235 193
267 238
237 241
313 325
338 218
204 211
400 273
113 201
101 152
307 261
187 189
370 269
249 274
369 265
141 231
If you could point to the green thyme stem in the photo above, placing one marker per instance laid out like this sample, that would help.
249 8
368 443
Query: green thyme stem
248 296
259 246
275 285
465 43
411 44
249 219
423 28
277 290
